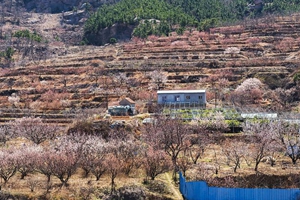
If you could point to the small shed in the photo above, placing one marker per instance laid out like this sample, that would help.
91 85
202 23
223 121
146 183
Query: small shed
128 102
125 106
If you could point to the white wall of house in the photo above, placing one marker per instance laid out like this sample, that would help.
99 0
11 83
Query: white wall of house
181 96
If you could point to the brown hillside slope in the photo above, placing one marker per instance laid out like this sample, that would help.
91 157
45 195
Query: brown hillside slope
82 76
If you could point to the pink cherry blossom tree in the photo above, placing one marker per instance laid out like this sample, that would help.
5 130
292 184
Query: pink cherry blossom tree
130 154
94 156
114 167
63 157
25 159
34 129
8 164
170 135
43 163
156 162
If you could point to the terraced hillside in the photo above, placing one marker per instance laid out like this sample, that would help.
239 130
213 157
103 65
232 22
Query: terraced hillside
90 76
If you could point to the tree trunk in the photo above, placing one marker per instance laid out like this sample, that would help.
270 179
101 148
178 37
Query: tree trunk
86 172
48 178
256 166
112 184
23 174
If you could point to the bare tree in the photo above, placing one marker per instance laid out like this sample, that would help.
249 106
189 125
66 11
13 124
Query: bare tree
95 74
288 134
184 163
262 139
5 134
33 184
285 96
200 140
106 84
234 152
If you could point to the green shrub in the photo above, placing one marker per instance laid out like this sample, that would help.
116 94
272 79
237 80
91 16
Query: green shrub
27 34
113 40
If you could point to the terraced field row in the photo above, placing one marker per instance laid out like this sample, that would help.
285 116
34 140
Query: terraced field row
75 78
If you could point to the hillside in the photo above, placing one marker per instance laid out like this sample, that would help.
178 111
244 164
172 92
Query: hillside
266 49
48 72
161 17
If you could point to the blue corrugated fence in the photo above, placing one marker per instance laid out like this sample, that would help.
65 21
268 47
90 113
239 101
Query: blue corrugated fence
199 190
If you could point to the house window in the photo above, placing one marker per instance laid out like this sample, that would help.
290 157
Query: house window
200 97
177 98
188 97
164 98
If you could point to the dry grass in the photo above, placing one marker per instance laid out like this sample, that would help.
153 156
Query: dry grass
79 186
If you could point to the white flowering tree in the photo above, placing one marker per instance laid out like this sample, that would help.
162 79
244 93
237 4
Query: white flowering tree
14 100
248 91
263 139
233 51
158 79
25 158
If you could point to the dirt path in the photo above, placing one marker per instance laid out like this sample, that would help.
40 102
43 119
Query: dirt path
177 195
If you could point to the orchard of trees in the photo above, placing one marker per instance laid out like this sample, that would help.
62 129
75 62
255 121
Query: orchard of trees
165 145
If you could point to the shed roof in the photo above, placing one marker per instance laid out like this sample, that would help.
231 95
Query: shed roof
126 101
180 91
